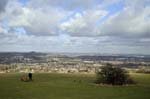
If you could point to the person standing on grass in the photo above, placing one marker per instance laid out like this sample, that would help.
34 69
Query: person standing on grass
30 76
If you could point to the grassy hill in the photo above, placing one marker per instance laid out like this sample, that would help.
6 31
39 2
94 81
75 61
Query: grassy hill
70 86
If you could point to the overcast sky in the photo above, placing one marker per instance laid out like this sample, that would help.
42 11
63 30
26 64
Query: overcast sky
89 26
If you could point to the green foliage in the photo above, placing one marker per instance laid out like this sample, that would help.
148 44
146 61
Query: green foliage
113 75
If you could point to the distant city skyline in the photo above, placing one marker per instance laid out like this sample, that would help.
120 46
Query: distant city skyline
75 26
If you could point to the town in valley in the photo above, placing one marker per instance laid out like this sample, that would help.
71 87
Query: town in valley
36 62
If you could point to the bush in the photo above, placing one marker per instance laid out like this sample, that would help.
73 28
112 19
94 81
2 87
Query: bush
24 79
113 75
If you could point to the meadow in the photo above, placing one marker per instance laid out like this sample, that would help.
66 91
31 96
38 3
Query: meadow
70 86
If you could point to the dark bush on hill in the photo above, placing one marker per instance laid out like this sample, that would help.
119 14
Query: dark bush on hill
112 75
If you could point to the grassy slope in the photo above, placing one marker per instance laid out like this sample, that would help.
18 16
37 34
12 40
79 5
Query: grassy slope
61 86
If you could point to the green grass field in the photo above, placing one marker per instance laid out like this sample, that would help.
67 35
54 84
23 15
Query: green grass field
70 86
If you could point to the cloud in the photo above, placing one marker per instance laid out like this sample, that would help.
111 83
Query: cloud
127 23
47 18
2 30
66 43
83 24
75 26
35 21
65 4
3 4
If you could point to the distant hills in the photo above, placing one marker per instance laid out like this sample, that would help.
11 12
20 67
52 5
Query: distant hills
38 57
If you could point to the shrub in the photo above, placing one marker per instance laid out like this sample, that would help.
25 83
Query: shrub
110 74
25 78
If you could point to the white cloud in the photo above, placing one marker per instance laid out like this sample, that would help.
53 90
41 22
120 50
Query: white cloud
128 23
39 21
83 24
75 26
2 30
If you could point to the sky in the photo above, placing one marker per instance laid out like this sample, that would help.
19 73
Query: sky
75 26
